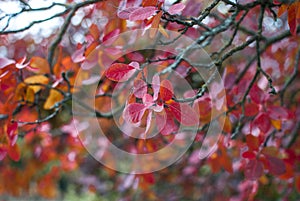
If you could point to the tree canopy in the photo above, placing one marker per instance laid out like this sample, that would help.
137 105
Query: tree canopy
132 99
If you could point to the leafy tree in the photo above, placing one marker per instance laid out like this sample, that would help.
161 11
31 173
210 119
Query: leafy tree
49 75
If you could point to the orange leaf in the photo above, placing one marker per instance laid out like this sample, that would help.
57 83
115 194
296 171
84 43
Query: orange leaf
20 91
149 3
39 65
155 24
52 99
276 124
37 79
94 31
282 9
227 125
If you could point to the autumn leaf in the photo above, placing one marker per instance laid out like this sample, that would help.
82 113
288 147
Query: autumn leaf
262 121
176 8
53 98
14 152
39 65
133 113
155 24
184 113
38 80
254 169
276 166
142 13
292 17
166 90
120 72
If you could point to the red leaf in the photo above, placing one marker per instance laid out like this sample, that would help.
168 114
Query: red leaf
276 165
165 123
252 142
254 170
6 62
134 112
119 72
262 121
11 132
184 113
166 90
249 155
251 109
142 13
149 178
14 152
256 94
292 20
297 183
176 8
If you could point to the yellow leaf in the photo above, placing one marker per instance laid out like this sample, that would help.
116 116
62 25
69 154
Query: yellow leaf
163 31
52 99
39 65
29 95
36 79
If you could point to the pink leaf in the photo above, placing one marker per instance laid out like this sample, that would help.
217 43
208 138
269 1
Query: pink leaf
165 123
155 86
176 8
3 153
140 88
124 14
254 170
166 90
135 65
147 100
78 55
119 72
184 113
278 113
134 112
142 13
6 62
111 37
